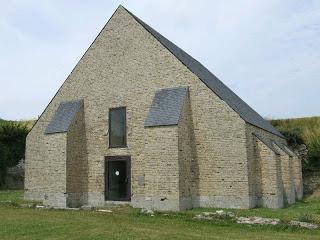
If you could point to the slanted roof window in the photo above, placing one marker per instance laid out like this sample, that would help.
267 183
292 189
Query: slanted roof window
117 127
166 107
63 117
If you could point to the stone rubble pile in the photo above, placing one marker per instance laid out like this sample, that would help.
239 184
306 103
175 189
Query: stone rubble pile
105 210
40 206
147 212
87 208
258 220
304 225
220 214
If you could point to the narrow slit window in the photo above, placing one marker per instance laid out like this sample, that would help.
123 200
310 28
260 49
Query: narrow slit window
117 127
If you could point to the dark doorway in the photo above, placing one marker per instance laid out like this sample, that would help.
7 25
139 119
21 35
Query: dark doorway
117 178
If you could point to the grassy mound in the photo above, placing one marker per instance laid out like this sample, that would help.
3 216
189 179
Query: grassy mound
303 131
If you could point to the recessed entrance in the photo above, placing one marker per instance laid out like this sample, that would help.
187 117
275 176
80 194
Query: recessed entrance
117 178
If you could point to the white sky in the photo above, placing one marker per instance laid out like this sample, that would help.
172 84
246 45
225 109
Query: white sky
267 51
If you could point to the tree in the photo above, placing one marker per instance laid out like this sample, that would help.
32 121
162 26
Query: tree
12 145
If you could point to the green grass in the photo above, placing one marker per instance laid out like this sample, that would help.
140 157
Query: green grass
309 126
14 198
303 131
11 195
128 223
308 208
27 123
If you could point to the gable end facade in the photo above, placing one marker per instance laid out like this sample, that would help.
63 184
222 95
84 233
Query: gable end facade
207 158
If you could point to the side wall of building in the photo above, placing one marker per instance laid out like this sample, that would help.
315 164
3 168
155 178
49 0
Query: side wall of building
289 167
269 189
297 175
77 164
287 176
188 166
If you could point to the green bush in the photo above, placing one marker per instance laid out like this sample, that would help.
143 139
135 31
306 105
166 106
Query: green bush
314 154
303 131
294 136
309 218
12 145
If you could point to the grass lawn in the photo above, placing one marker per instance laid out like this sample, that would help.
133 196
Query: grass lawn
128 223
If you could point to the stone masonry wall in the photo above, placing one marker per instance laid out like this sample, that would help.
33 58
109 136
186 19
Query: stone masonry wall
287 176
254 167
297 175
271 195
188 180
161 169
124 67
46 172
77 164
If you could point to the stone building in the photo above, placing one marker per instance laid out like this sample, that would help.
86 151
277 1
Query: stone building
140 121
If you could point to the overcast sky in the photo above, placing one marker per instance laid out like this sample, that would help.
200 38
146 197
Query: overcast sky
267 51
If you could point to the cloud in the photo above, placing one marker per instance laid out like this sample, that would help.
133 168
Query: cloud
267 51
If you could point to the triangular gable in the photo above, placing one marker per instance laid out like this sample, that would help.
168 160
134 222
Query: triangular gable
218 87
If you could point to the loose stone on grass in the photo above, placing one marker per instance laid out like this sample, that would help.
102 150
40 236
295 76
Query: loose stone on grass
72 209
219 214
26 205
147 211
105 210
86 207
40 206
258 220
304 225
202 217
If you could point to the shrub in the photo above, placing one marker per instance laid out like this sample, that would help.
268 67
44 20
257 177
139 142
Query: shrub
303 131
293 136
12 145
314 154
309 218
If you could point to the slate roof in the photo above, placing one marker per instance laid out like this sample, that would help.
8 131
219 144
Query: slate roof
166 107
63 117
218 87
267 142
283 148
288 150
